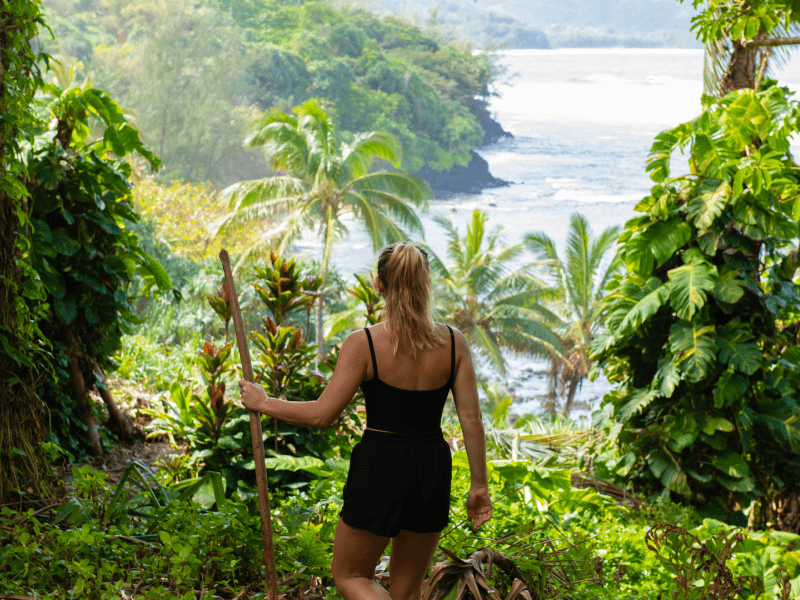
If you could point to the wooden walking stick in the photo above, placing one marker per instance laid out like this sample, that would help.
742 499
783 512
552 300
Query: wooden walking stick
255 433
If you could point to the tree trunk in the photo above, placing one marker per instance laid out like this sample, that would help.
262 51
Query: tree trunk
117 419
326 256
23 469
80 392
320 311
741 71
552 393
573 387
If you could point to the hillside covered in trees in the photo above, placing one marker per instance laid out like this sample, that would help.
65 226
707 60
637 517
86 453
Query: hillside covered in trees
196 75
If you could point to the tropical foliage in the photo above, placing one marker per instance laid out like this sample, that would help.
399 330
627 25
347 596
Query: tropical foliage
578 287
201 414
701 335
25 355
83 250
325 180
196 76
494 307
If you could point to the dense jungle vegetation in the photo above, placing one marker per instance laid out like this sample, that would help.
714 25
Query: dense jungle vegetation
195 75
125 460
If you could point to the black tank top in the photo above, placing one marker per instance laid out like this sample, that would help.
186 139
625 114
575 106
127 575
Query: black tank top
390 408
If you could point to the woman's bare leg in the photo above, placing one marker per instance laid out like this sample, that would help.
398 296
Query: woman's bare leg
410 560
355 554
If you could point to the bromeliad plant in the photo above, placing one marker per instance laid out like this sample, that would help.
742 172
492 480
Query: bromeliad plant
216 431
285 365
702 327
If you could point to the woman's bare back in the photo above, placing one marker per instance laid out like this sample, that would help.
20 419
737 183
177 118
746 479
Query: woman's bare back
429 370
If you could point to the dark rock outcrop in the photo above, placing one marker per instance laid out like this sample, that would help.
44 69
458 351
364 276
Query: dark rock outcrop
493 132
475 177
460 181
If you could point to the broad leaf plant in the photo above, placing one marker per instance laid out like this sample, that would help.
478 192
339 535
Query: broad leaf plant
701 337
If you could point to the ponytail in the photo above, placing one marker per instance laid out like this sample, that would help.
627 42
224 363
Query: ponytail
403 271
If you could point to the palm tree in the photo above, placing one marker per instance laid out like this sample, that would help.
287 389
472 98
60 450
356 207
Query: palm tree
492 306
578 286
323 179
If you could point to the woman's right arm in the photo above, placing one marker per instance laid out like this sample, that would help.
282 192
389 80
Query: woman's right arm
465 394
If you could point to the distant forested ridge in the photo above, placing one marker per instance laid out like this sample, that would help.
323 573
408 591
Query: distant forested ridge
196 74
518 24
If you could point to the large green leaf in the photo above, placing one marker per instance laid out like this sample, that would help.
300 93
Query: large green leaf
664 145
638 402
658 241
65 243
729 287
712 156
690 284
759 222
694 348
746 119
285 462
732 464
66 309
739 350
706 207
644 308
668 376
159 273
668 472
683 432
717 424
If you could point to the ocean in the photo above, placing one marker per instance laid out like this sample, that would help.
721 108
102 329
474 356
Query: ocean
583 121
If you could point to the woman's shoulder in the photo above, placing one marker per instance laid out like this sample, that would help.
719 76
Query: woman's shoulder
457 335
359 336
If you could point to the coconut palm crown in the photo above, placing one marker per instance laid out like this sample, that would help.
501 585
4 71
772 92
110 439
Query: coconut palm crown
578 288
320 180
493 306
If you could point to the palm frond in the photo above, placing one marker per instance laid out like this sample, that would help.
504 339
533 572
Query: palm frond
245 193
528 301
579 280
716 57
522 331
437 267
262 212
540 245
402 185
601 245
356 157
482 342
370 217
520 280
392 206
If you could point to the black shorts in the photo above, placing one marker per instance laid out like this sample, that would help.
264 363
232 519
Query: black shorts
398 481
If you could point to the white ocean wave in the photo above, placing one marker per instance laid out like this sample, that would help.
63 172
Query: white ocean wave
590 198
608 79
560 180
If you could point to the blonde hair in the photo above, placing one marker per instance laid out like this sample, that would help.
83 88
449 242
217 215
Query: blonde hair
403 271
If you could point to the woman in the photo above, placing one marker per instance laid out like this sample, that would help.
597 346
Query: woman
399 481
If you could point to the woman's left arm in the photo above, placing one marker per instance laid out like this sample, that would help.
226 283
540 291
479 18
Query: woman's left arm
349 372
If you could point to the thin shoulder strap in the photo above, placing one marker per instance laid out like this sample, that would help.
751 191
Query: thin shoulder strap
372 351
452 354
